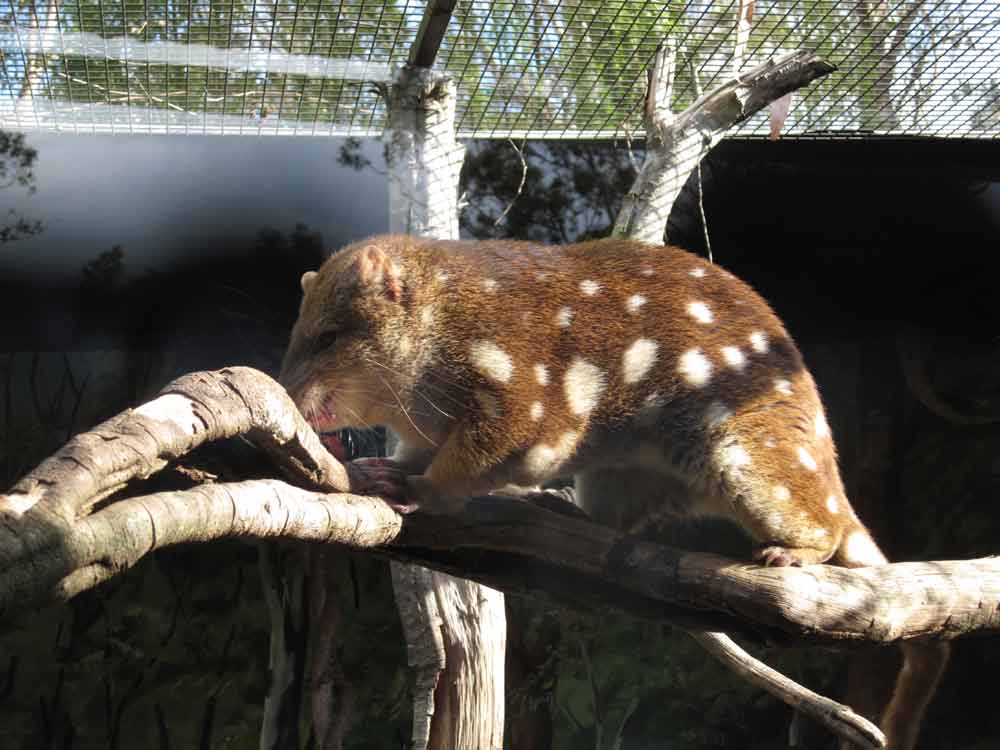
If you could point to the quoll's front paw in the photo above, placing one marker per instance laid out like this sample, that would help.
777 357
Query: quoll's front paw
383 477
773 556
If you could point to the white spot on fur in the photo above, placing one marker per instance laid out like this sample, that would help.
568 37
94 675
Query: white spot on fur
541 374
638 360
734 357
820 533
695 367
783 386
700 312
491 361
822 428
806 459
832 505
427 316
564 316
716 414
489 285
735 456
542 276
537 410
442 276
859 548
542 460
646 271
759 342
769 443
730 458
589 287
584 384
633 303
781 492
698 273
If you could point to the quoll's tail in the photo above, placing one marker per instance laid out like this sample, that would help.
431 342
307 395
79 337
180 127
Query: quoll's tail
924 660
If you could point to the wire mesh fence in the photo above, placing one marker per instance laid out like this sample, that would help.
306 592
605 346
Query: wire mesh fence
559 69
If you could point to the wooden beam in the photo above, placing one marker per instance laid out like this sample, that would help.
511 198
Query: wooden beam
432 28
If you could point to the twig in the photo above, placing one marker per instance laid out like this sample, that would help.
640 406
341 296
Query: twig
701 210
520 187
628 145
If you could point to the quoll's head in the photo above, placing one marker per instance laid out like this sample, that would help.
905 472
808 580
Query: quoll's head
351 351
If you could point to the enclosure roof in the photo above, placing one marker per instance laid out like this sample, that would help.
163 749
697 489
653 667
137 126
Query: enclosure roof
559 69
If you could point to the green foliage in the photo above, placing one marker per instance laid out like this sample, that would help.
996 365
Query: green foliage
17 161
561 67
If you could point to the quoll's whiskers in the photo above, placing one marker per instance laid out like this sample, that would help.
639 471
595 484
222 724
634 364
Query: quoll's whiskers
441 391
362 423
435 407
406 412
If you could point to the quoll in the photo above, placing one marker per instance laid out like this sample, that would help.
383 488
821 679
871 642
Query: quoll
500 362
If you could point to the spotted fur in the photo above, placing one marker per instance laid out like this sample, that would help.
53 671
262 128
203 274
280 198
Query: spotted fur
499 362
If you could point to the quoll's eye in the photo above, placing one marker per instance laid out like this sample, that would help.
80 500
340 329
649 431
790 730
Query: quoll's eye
326 340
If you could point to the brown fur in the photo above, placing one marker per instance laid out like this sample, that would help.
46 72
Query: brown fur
694 385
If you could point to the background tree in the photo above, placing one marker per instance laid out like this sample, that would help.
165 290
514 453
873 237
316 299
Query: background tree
17 161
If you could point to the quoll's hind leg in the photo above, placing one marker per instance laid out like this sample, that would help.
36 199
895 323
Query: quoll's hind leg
784 490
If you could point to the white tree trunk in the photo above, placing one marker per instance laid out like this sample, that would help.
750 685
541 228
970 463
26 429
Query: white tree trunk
455 630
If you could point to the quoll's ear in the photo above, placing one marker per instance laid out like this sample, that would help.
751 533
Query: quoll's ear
307 279
375 269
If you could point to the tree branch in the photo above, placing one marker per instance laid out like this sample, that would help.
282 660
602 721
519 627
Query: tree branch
675 144
56 541
513 545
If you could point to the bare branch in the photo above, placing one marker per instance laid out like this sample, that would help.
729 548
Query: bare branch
675 144
520 187
513 545
838 718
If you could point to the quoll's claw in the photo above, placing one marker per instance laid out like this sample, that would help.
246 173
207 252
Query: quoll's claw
776 557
